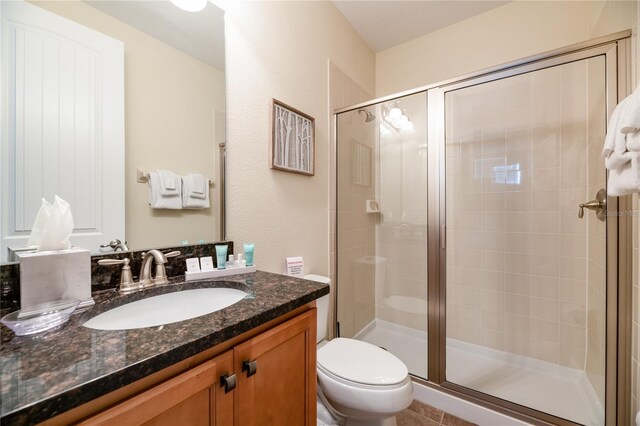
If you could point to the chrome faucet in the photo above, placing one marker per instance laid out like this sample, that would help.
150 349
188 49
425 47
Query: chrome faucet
145 279
160 258
115 245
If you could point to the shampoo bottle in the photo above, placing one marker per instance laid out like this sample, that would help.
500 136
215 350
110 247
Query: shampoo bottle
248 253
221 255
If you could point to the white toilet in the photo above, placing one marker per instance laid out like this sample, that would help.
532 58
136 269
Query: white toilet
358 383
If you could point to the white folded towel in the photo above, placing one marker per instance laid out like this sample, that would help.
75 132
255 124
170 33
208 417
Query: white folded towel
621 150
625 180
199 186
615 144
195 191
630 118
159 201
169 182
633 141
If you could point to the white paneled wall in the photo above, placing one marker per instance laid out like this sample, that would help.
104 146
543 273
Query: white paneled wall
57 145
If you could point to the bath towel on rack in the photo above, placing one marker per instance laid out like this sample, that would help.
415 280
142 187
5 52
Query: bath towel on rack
630 118
622 147
169 182
195 191
157 198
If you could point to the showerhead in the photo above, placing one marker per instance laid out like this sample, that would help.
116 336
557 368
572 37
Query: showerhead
370 117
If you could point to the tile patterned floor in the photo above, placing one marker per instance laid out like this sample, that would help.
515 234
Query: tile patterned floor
421 414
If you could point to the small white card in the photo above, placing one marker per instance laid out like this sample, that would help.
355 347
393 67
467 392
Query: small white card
206 263
193 264
294 267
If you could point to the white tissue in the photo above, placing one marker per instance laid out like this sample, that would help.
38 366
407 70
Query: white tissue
53 226
38 225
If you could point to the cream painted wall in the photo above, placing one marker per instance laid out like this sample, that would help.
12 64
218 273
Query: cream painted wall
513 31
170 104
281 50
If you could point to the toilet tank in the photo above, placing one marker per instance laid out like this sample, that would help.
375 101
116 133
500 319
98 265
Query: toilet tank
323 307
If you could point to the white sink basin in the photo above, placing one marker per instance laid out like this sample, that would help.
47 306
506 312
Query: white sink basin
166 309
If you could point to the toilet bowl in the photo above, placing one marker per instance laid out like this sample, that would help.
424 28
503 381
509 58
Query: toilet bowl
358 383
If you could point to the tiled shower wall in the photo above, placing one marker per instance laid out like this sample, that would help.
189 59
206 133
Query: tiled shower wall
356 229
401 234
517 153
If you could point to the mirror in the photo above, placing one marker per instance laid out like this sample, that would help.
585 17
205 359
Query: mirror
174 117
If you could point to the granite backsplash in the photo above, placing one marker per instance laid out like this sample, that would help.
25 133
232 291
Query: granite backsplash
106 277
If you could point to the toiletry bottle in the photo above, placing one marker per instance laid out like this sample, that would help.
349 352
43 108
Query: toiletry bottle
248 253
221 255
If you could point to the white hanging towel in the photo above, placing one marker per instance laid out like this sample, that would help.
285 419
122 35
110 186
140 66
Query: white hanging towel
630 119
625 179
169 182
622 147
195 191
163 197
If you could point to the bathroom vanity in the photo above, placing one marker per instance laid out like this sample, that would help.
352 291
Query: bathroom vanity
250 363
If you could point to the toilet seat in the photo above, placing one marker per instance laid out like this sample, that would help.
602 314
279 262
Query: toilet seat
328 375
369 402
360 364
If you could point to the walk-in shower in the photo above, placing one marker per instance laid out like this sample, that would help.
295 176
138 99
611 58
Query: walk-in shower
474 268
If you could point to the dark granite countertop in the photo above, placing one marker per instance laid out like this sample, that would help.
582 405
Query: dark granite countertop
52 372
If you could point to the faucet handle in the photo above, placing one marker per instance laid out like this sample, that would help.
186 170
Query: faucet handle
126 278
174 253
115 245
109 262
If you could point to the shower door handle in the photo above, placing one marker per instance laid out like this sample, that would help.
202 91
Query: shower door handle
599 205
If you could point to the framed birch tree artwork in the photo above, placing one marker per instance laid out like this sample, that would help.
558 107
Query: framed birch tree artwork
292 140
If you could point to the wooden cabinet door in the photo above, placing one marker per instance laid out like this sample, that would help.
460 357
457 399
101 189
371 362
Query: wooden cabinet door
194 398
277 375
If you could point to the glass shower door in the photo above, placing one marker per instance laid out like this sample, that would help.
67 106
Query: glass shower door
382 227
525 276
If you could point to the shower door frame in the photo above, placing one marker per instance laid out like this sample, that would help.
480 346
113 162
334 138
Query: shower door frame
618 236
617 51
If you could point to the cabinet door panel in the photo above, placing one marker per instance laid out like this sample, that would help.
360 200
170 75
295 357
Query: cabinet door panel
192 398
188 412
283 389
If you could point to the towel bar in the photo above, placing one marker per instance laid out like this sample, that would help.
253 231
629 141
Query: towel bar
143 177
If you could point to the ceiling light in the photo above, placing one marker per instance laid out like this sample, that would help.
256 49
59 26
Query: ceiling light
190 5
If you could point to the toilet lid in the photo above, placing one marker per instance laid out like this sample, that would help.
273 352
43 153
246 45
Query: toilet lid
361 362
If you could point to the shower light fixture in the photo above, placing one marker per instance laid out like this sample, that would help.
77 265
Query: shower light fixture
190 5
395 113
397 119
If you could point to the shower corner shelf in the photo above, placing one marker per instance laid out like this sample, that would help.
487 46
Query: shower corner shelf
371 206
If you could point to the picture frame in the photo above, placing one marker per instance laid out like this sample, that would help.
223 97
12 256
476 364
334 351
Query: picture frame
293 146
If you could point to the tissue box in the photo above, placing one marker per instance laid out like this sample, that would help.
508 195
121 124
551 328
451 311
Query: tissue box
52 275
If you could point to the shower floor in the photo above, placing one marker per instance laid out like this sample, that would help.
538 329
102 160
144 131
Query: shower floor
561 391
